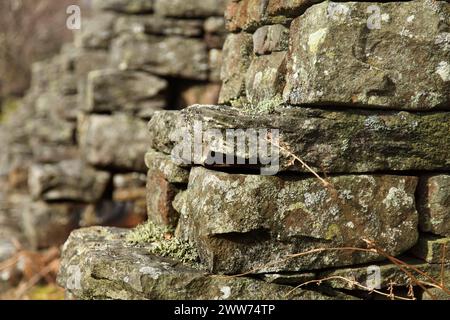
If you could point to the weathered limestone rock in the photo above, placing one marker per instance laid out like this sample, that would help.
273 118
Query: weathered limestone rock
96 33
160 162
153 24
125 6
265 81
123 147
360 68
236 60
165 56
243 222
109 268
161 127
190 8
137 93
69 180
330 141
47 225
389 273
434 204
270 39
431 249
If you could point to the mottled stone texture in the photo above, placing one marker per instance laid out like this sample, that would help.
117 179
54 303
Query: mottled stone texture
243 222
236 53
342 54
367 105
360 69
162 127
434 204
108 268
433 249
331 141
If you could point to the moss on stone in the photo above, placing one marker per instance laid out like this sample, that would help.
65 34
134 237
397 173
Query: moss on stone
163 243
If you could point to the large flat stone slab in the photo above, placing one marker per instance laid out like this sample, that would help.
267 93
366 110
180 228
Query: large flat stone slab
240 223
331 141
97 263
400 61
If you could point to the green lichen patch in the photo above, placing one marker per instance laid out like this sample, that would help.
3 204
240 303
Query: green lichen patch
163 243
149 232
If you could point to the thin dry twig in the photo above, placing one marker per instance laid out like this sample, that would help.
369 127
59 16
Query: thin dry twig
353 283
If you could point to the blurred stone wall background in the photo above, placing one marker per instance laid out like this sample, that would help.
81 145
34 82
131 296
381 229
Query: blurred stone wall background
73 145
30 31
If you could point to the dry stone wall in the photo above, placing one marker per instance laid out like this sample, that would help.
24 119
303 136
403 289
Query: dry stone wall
359 93
73 154
348 100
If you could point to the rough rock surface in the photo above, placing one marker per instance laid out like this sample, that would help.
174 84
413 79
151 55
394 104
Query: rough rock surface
434 204
236 60
108 268
341 54
431 249
162 127
242 222
322 70
330 141
160 162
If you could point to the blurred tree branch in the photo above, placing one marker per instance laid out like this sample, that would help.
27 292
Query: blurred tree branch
30 30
